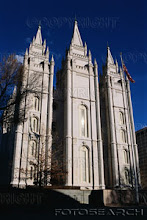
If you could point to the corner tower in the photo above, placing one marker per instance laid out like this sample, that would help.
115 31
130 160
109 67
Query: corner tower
82 126
120 149
33 135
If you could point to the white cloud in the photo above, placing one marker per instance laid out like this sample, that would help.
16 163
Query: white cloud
19 58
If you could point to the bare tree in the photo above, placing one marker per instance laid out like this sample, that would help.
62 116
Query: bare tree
45 166
11 75
14 87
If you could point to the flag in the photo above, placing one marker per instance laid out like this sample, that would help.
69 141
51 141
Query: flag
127 73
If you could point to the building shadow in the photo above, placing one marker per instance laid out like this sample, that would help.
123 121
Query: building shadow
38 201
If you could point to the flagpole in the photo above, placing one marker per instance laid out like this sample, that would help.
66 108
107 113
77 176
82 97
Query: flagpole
122 65
136 181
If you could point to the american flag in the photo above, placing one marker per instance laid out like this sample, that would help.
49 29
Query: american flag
128 75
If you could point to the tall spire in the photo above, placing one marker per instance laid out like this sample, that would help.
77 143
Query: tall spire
116 63
109 56
95 62
47 53
52 59
76 38
90 56
26 53
44 46
38 39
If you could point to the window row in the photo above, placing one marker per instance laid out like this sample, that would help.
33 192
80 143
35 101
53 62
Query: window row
83 123
84 163
83 118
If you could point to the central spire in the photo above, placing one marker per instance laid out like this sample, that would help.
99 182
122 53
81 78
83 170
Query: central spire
109 56
38 39
76 38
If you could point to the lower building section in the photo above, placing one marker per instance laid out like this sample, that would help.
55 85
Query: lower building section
83 165
102 197
53 197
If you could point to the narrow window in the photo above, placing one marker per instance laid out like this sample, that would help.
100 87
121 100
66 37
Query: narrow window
36 103
127 178
121 118
33 148
84 162
35 124
126 156
31 173
123 136
83 121
84 165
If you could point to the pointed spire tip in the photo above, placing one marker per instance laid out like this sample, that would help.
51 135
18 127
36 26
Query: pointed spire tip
110 59
95 62
26 53
90 53
76 37
38 38
52 59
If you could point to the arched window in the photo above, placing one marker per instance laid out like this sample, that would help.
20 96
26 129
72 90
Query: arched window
35 124
84 159
122 136
36 103
33 148
127 178
83 120
121 118
126 156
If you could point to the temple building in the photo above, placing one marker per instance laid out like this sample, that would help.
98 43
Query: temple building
91 115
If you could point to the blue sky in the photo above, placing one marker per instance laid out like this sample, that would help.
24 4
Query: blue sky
122 23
